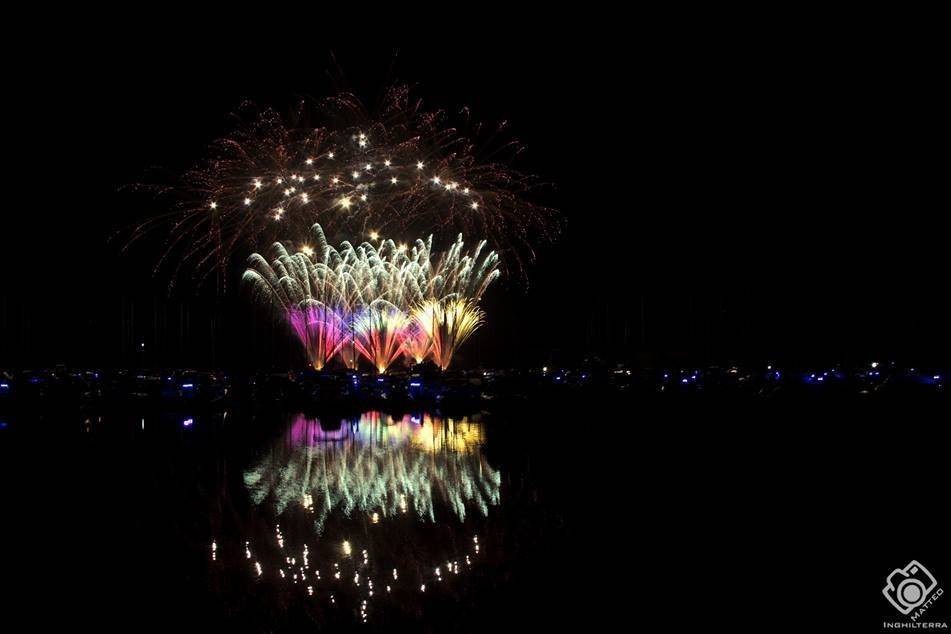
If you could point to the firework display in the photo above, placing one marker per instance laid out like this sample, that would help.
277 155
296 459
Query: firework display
379 301
446 325
343 171
378 333
403 170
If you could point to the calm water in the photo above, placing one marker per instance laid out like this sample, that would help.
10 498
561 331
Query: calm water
541 515
279 520
368 517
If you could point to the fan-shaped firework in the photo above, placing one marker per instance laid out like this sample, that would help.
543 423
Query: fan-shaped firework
378 301
378 333
321 330
403 170
417 344
447 324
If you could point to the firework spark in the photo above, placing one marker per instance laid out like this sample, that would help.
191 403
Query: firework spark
320 329
378 333
377 301
417 344
402 171
447 324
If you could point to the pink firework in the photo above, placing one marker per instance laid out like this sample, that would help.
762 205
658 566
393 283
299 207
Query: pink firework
321 330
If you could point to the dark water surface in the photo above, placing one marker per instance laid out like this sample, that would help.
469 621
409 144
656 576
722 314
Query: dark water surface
661 512
277 520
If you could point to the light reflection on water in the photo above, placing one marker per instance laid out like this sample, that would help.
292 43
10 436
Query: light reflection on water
367 514
377 464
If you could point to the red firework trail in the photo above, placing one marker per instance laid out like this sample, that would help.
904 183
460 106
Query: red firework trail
400 172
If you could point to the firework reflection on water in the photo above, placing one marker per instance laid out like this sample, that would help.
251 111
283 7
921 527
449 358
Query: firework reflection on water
377 464
374 514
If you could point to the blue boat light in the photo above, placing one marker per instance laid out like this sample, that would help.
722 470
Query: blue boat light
188 422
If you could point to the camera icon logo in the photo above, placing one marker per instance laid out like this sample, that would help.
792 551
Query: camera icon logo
908 587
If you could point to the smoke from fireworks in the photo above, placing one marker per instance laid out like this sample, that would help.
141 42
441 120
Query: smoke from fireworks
379 301
401 171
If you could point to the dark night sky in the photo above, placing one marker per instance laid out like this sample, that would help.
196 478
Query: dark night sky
753 201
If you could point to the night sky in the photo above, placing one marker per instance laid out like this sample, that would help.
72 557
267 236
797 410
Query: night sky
721 205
